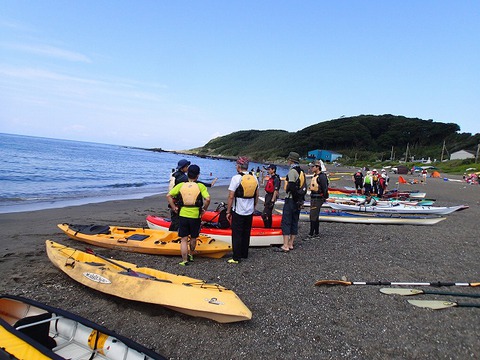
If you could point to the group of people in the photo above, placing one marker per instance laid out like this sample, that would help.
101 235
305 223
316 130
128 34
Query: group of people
373 182
189 198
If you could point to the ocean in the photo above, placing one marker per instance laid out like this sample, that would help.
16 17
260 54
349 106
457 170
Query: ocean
40 173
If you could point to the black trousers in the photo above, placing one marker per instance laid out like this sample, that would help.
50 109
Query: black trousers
241 227
174 217
315 207
267 210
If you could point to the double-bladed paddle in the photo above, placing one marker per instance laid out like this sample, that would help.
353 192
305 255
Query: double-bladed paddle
410 292
129 271
439 304
391 283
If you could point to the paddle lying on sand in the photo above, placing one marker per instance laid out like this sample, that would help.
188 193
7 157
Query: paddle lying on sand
129 271
409 292
438 304
390 283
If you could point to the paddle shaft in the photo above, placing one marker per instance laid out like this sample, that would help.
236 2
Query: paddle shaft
134 273
391 283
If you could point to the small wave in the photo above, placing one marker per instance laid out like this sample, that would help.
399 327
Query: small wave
126 185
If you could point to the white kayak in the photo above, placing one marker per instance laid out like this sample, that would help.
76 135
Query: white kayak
35 331
399 209
380 219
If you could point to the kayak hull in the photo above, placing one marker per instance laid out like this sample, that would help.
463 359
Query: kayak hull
125 280
32 330
141 240
258 236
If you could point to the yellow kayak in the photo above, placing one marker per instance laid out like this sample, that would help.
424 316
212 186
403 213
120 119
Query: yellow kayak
141 240
119 278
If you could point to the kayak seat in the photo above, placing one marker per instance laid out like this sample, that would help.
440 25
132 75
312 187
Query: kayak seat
90 229
138 237
37 332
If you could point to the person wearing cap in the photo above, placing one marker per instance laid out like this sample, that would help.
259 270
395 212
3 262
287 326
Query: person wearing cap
242 199
177 177
189 200
292 205
318 195
272 188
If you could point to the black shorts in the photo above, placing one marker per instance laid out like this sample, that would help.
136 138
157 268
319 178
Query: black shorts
188 226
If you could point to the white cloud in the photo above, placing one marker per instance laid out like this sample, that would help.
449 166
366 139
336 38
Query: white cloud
49 51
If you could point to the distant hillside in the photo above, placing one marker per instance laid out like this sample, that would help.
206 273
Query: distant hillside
364 137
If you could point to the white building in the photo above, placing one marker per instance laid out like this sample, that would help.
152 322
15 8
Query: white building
462 154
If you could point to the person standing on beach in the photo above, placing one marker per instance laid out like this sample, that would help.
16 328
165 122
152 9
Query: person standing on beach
424 176
295 188
358 181
272 188
242 199
192 199
318 195
177 177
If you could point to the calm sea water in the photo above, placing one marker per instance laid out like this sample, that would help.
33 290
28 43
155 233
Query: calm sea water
39 173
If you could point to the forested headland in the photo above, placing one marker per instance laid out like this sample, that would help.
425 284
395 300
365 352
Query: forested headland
366 138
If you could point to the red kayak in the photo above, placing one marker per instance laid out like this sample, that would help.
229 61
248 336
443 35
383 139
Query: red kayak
213 216
258 236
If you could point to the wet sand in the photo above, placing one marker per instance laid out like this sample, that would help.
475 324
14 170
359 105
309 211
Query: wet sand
292 318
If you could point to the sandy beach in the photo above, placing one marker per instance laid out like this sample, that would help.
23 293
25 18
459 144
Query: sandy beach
292 318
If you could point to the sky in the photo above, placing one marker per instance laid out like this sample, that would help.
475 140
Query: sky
176 74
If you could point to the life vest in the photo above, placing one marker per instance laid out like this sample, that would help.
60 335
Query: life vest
358 176
270 185
314 186
300 190
190 195
248 186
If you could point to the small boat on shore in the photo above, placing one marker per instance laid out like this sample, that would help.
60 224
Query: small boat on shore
142 240
258 236
32 330
128 281
362 218
399 209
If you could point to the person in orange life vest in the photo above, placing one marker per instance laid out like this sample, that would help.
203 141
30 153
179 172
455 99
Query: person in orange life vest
242 199
272 188
192 200
318 195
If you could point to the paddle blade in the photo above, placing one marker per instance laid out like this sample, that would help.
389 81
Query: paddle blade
433 304
403 292
332 282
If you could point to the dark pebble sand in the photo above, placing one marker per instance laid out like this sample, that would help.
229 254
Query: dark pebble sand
292 318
